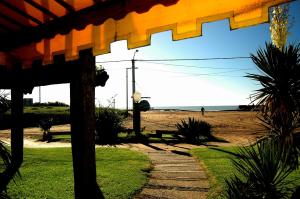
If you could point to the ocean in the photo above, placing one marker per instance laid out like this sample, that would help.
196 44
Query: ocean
198 108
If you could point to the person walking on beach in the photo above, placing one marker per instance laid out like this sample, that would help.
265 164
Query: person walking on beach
202 111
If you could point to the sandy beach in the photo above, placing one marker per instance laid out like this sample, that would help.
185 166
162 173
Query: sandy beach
236 127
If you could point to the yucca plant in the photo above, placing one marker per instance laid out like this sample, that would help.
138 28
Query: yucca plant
194 130
280 79
262 171
5 156
279 97
8 171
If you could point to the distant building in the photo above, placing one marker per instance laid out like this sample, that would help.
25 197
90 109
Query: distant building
28 101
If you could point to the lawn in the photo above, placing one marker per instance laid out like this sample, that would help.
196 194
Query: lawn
219 167
48 173
47 109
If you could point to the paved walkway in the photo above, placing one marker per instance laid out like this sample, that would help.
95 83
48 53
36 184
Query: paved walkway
175 174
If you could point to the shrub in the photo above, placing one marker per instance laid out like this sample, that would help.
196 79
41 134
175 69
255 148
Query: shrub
194 130
262 170
60 104
32 119
109 123
45 125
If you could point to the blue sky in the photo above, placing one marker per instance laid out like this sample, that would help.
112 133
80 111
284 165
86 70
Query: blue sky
185 83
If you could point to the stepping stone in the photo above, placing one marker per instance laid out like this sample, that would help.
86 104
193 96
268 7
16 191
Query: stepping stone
174 176
179 175
180 183
148 193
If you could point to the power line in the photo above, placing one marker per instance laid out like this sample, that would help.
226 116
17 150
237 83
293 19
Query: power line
194 59
193 66
180 59
198 74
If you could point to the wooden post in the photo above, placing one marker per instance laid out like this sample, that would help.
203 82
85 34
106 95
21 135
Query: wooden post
16 131
17 127
82 94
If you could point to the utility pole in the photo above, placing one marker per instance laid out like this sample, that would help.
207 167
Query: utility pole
127 87
133 73
40 94
135 105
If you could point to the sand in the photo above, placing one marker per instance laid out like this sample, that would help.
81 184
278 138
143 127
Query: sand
236 127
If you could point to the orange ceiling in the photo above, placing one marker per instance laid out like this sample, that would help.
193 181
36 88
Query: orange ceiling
40 29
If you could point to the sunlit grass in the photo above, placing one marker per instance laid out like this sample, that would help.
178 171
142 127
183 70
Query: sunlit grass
48 173
220 167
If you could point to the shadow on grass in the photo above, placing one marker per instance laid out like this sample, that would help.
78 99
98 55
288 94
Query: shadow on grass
144 138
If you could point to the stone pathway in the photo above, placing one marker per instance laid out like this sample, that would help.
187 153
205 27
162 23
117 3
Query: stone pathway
175 174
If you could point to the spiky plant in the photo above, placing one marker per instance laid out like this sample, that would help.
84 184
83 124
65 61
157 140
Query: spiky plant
280 79
279 97
193 130
5 165
262 172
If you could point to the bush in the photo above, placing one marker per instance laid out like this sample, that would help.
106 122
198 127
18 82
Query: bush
45 125
60 104
262 172
109 123
194 130
32 119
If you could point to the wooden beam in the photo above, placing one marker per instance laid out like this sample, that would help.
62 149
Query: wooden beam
42 9
64 4
21 12
82 98
12 21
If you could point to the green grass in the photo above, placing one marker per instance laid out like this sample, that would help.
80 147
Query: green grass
219 167
48 173
47 109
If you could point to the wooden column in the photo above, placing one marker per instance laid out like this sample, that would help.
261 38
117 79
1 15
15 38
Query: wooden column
17 127
82 94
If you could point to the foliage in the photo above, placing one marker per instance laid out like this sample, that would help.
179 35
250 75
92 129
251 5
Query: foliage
219 167
108 124
279 97
32 116
194 130
279 25
4 102
263 169
279 79
48 173
5 156
45 125
57 104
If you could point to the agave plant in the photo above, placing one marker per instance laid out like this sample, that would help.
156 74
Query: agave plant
262 172
193 130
